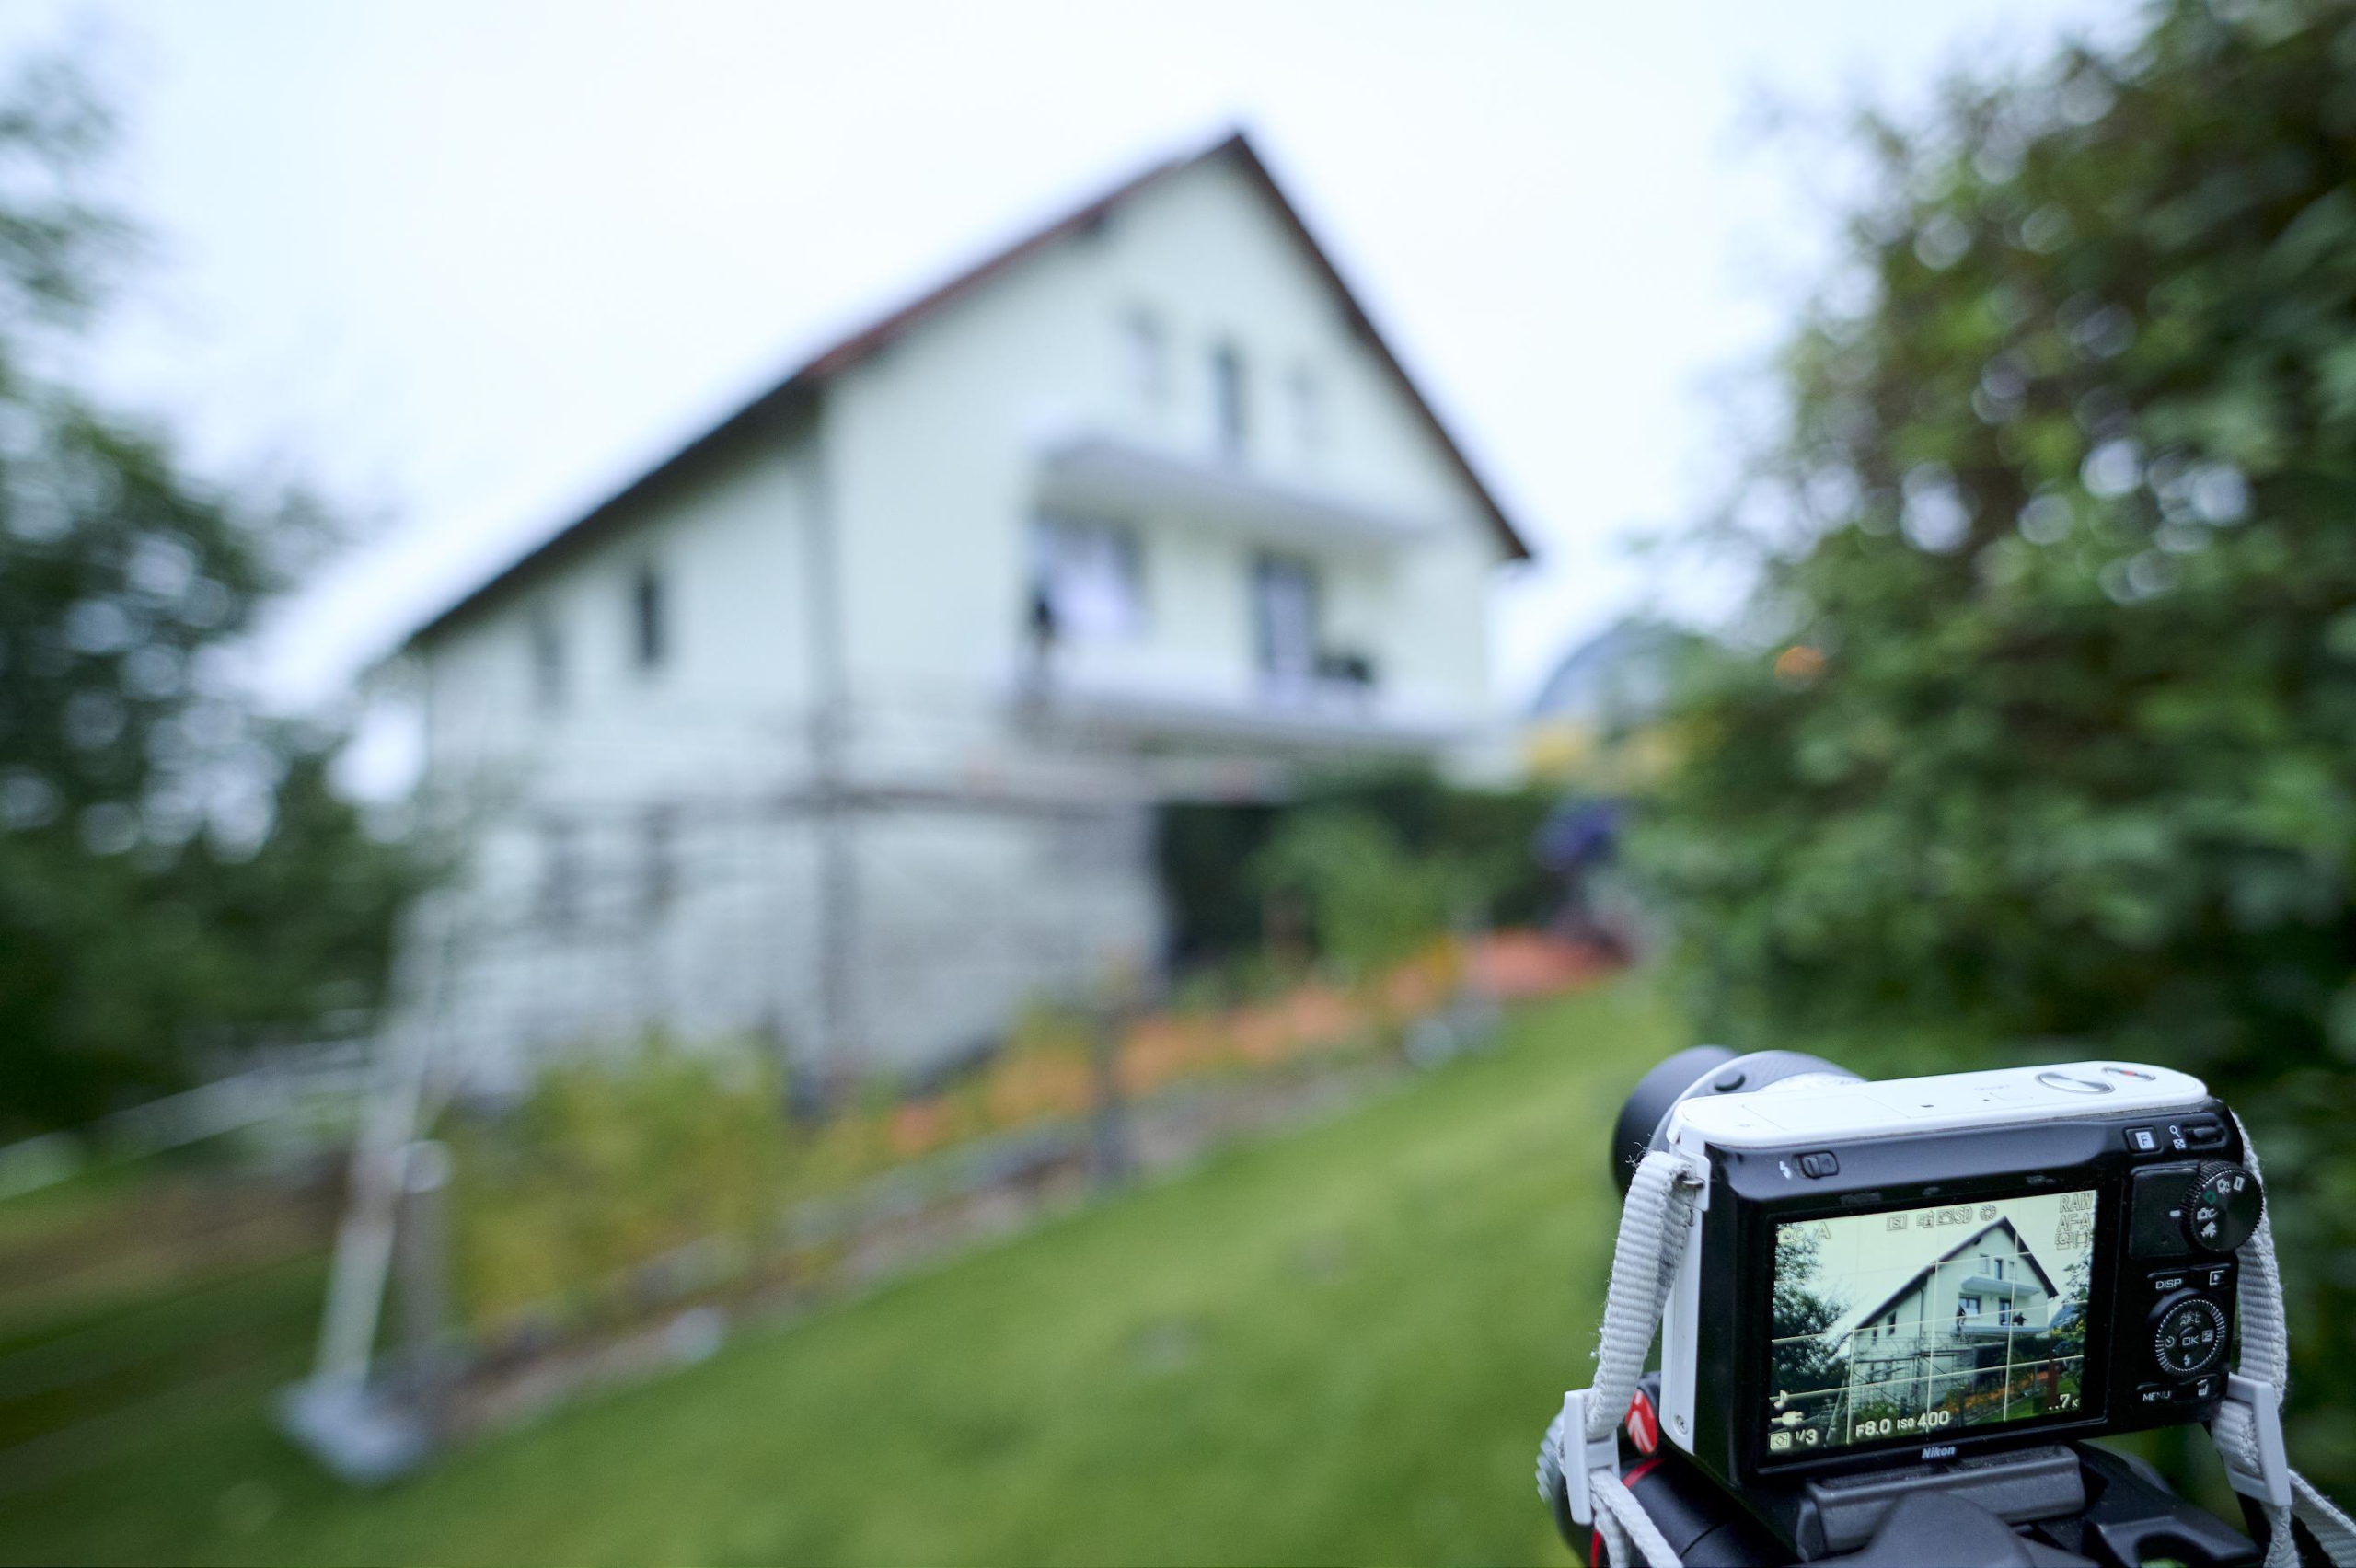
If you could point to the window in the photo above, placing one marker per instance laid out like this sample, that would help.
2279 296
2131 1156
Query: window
661 828
1968 1305
1307 399
559 874
1146 348
1284 620
1085 582
649 624
547 662
1995 1268
1229 413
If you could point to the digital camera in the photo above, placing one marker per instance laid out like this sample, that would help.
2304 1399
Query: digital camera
1925 1270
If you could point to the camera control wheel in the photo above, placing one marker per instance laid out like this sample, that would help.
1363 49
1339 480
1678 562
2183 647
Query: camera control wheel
2221 1208
2187 1334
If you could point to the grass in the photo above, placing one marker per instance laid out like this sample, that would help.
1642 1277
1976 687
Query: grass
1341 1344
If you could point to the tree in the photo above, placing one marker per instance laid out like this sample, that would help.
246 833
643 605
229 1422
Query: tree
2050 735
1802 1313
2069 1310
178 878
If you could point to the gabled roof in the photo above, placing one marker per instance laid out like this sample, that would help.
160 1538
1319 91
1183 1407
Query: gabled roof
871 339
2020 1250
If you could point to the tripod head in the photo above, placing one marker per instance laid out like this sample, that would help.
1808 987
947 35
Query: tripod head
2072 1505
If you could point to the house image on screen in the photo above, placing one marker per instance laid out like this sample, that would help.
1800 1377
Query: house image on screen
845 724
1961 1312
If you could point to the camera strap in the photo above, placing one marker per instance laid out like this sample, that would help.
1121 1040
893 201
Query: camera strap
2247 1428
1579 1458
1581 1455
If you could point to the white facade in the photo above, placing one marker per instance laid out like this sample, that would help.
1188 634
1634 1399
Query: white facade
1986 1294
782 740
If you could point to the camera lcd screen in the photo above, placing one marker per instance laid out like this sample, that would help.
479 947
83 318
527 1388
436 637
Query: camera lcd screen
1923 1322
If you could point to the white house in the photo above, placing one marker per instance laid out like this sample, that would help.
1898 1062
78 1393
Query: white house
1973 1307
845 724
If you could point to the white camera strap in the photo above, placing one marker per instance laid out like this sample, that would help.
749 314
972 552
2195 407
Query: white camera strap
1581 1455
2247 1428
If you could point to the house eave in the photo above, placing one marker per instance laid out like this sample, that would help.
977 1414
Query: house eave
801 389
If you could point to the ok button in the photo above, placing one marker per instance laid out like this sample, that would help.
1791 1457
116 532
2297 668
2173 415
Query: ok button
2068 1085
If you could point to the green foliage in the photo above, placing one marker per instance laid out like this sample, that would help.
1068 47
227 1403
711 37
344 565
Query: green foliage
1801 1310
1371 1309
2070 1339
1215 863
1370 903
609 1165
177 877
2059 744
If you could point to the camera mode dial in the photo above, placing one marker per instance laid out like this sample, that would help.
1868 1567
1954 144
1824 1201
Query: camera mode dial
2222 1208
2187 1335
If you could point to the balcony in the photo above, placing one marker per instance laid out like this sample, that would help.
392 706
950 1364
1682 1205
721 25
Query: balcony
1319 717
1995 1326
1105 474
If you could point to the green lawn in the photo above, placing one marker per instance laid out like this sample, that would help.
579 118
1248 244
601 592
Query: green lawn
1341 1344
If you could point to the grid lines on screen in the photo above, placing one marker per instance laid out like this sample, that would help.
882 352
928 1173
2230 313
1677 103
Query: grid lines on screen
1925 1321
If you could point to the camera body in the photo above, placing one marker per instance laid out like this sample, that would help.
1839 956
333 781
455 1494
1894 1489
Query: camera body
1926 1270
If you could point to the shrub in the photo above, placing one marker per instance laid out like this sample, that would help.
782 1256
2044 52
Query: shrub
609 1164
2052 747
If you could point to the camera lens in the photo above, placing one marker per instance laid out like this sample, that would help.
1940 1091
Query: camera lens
1701 1070
1646 1103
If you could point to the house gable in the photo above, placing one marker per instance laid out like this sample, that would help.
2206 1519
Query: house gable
792 400
1922 1277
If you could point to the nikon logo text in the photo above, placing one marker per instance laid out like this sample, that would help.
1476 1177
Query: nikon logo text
1939 1451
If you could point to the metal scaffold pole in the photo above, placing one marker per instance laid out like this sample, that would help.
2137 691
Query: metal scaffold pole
331 1412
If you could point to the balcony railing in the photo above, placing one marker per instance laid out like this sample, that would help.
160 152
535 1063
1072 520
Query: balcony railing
1107 473
1307 715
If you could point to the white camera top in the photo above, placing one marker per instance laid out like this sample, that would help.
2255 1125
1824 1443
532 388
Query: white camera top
1809 1109
1940 1266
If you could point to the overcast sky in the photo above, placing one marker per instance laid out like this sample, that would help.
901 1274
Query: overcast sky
468 265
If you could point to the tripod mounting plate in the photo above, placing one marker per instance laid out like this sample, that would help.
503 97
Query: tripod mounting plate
2034 1483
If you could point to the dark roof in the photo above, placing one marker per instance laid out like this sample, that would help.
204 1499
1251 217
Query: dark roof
2020 1249
797 387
